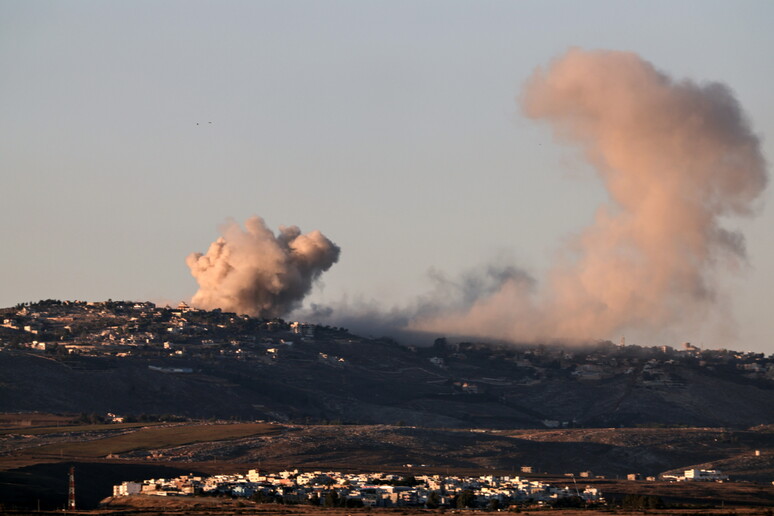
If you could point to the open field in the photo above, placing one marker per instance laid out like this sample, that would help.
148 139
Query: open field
42 430
743 454
202 505
32 419
155 438
730 494
147 505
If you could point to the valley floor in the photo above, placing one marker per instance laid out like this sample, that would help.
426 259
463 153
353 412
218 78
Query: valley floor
35 458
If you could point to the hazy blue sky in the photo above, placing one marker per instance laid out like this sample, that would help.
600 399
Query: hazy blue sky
393 127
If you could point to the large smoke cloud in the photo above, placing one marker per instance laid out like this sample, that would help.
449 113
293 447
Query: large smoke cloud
676 158
257 273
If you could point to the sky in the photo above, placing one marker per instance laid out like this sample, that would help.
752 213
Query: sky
130 132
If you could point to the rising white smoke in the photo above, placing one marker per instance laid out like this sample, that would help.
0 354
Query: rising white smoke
257 273
676 158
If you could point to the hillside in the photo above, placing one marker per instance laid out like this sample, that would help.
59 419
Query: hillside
135 358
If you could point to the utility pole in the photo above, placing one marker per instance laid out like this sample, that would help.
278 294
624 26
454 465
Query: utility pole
576 485
71 490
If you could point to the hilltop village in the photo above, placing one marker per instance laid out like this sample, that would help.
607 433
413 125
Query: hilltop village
333 488
198 363
123 329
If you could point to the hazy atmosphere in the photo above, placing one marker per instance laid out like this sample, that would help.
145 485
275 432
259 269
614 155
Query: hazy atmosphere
499 169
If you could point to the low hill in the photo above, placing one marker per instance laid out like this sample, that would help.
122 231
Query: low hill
135 358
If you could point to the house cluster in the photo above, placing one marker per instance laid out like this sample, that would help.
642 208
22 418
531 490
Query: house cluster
698 475
652 367
368 489
175 340
124 329
127 328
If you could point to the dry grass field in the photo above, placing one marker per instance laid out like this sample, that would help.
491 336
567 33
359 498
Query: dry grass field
156 437
149 505
29 420
45 430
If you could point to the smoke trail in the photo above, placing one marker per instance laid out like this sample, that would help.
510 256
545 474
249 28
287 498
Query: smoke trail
257 273
676 157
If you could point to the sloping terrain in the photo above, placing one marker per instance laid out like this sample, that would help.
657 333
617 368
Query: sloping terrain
134 358
608 452
371 382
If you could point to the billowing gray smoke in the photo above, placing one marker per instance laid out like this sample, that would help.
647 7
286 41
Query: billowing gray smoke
677 158
368 317
257 273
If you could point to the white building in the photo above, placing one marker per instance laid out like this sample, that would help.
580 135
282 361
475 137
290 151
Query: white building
127 489
705 475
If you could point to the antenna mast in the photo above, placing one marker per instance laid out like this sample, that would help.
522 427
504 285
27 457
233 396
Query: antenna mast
71 490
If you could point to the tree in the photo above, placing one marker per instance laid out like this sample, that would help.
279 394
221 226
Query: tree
409 481
569 501
640 502
91 419
261 497
466 499
353 502
433 500
331 499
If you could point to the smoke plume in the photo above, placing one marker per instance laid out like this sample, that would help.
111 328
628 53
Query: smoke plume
257 273
677 158
368 317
